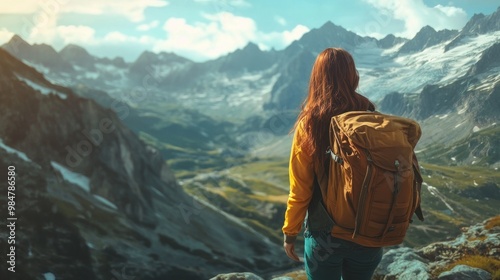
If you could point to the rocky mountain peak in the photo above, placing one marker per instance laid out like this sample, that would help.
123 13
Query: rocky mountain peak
77 55
74 50
328 35
478 24
248 58
427 37
42 54
14 43
390 41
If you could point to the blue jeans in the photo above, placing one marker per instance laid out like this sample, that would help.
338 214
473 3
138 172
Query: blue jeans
327 257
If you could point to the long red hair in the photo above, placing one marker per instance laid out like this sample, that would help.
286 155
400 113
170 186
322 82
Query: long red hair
332 91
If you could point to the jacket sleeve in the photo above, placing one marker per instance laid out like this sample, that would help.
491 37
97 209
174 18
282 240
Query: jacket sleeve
301 175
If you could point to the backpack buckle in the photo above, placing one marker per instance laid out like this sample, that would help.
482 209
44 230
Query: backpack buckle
335 157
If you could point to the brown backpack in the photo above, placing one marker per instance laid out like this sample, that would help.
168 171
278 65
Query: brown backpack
374 178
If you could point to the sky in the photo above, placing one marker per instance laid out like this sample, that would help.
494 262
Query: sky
206 29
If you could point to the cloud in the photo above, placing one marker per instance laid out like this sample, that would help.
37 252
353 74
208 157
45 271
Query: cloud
20 7
222 4
294 34
280 20
211 37
5 35
76 34
148 26
116 37
222 33
280 40
131 9
416 14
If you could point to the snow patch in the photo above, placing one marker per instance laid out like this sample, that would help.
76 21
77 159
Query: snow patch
460 124
42 89
435 192
462 111
78 179
49 276
411 72
475 129
157 192
14 151
105 201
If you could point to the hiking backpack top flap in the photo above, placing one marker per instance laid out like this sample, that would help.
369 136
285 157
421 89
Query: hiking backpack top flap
374 180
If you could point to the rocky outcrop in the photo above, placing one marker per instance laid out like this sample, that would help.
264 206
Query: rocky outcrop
477 245
465 272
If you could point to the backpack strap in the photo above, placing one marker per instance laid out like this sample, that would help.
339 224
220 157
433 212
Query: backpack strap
318 218
333 136
418 179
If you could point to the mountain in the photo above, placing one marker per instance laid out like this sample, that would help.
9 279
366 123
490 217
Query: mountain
455 113
427 37
249 59
38 54
478 24
328 34
78 56
96 200
390 41
256 87
155 65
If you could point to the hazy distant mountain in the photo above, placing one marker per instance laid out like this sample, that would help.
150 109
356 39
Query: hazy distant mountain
40 54
250 82
78 56
390 41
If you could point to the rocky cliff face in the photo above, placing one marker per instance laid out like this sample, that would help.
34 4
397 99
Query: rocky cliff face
96 201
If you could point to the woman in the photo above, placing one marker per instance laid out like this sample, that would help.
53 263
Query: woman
332 91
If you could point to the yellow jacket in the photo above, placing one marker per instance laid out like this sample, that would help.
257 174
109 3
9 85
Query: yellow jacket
301 173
